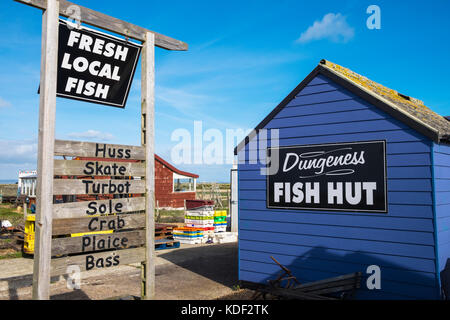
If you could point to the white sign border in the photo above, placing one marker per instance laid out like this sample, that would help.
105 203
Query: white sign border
386 207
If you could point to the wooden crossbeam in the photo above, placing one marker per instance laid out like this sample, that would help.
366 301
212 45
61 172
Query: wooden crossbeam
103 21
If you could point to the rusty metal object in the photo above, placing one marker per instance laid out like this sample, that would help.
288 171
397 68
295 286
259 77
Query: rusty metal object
286 286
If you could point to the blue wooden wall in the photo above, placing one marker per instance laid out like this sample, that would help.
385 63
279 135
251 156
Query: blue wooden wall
442 184
319 244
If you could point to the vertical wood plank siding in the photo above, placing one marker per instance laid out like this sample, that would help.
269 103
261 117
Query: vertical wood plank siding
164 193
442 197
318 244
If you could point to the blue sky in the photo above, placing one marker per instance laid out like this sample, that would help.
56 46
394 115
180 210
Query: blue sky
244 57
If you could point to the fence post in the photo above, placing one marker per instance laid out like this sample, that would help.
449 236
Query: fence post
46 143
147 140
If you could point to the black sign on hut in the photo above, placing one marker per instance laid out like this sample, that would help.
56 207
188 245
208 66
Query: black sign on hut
339 176
94 67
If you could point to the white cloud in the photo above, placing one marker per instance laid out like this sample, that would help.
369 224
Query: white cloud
333 27
202 84
191 105
92 135
222 60
18 151
4 103
181 99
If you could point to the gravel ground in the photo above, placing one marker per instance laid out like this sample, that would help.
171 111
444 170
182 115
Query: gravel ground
192 272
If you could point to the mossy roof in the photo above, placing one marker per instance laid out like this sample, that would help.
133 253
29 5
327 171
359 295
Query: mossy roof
413 108
411 111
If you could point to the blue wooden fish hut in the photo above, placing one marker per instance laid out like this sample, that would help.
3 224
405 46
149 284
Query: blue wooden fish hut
345 174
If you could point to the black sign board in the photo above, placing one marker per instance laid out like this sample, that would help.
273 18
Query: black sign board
95 67
339 176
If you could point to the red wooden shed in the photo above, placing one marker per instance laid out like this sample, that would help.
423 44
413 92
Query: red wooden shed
173 186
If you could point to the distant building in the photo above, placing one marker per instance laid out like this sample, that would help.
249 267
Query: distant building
173 186
27 183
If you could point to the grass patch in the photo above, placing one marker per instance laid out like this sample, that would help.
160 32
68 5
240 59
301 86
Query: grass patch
170 216
236 287
9 213
11 255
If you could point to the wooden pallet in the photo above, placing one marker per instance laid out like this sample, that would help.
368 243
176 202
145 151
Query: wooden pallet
164 244
163 226
164 231
163 235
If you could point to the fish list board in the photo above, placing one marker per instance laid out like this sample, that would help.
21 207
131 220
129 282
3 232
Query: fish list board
92 66
110 229
95 67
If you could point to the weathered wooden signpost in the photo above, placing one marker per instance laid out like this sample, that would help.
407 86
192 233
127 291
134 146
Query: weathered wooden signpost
95 67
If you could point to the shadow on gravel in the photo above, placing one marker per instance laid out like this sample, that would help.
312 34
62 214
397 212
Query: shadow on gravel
218 262
16 283
73 295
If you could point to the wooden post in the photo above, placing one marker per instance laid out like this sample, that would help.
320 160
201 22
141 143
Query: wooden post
25 212
47 106
157 211
234 210
147 140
